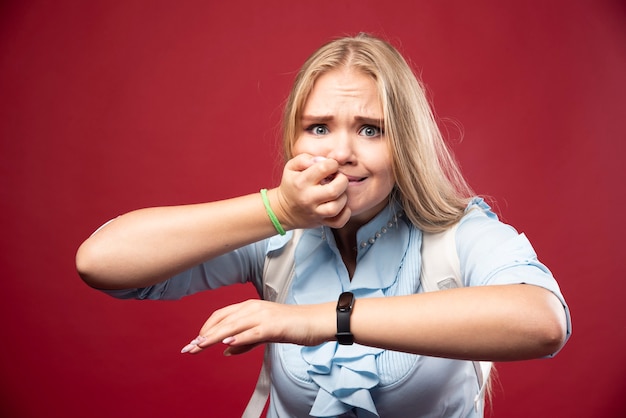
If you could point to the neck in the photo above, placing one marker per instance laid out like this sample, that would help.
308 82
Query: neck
346 239
346 244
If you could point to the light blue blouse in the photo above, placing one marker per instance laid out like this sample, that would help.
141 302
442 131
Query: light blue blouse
331 380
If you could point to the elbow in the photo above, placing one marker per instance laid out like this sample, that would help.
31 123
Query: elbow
85 265
89 267
551 334
552 338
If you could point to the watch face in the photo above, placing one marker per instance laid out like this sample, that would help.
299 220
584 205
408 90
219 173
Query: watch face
345 301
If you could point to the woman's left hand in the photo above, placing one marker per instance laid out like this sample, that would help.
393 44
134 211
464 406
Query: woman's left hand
245 325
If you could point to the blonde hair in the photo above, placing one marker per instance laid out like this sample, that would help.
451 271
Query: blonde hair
428 182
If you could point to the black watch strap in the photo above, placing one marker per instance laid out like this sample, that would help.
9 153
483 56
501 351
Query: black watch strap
345 303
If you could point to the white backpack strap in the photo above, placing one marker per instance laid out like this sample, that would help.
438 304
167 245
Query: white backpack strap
278 270
482 368
441 269
277 275
257 402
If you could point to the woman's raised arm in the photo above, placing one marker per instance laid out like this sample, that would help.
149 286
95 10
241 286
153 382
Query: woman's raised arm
147 246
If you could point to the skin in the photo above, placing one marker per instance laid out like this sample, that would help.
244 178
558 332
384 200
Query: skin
341 140
342 121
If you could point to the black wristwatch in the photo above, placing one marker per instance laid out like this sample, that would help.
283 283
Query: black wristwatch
345 303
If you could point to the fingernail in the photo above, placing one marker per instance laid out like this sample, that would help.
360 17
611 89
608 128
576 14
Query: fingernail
318 159
188 348
228 340
199 339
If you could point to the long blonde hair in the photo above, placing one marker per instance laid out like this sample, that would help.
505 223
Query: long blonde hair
429 184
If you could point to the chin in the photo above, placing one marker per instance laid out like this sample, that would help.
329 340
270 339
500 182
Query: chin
362 216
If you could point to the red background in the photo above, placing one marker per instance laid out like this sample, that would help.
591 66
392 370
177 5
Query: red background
108 106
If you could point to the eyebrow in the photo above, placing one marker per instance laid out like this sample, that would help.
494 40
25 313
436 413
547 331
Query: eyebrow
327 118
370 121
318 119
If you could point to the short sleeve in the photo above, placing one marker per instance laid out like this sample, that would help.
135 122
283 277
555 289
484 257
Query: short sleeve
494 253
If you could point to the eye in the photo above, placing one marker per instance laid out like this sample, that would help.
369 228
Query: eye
370 131
317 129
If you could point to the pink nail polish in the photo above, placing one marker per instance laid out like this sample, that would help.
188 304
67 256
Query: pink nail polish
199 339
228 340
188 348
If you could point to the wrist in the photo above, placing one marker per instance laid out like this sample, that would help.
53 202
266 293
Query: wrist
345 305
269 210
278 204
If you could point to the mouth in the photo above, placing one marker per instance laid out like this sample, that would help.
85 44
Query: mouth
352 179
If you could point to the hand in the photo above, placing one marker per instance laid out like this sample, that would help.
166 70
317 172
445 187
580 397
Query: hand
312 193
245 325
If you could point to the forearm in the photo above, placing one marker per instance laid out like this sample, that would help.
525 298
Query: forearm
147 246
497 323
501 323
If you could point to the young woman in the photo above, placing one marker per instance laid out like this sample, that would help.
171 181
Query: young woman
366 175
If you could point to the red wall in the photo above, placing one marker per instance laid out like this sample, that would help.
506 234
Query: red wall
108 106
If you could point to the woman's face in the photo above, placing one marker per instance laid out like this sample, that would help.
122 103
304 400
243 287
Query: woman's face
342 119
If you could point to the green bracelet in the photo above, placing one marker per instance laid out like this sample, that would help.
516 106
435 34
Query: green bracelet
270 213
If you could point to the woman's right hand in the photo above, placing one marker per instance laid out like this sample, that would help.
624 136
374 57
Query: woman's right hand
243 326
312 192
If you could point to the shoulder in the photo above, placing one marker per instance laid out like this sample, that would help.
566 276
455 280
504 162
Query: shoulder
480 225
492 252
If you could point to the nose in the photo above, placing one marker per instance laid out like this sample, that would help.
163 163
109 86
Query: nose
342 148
